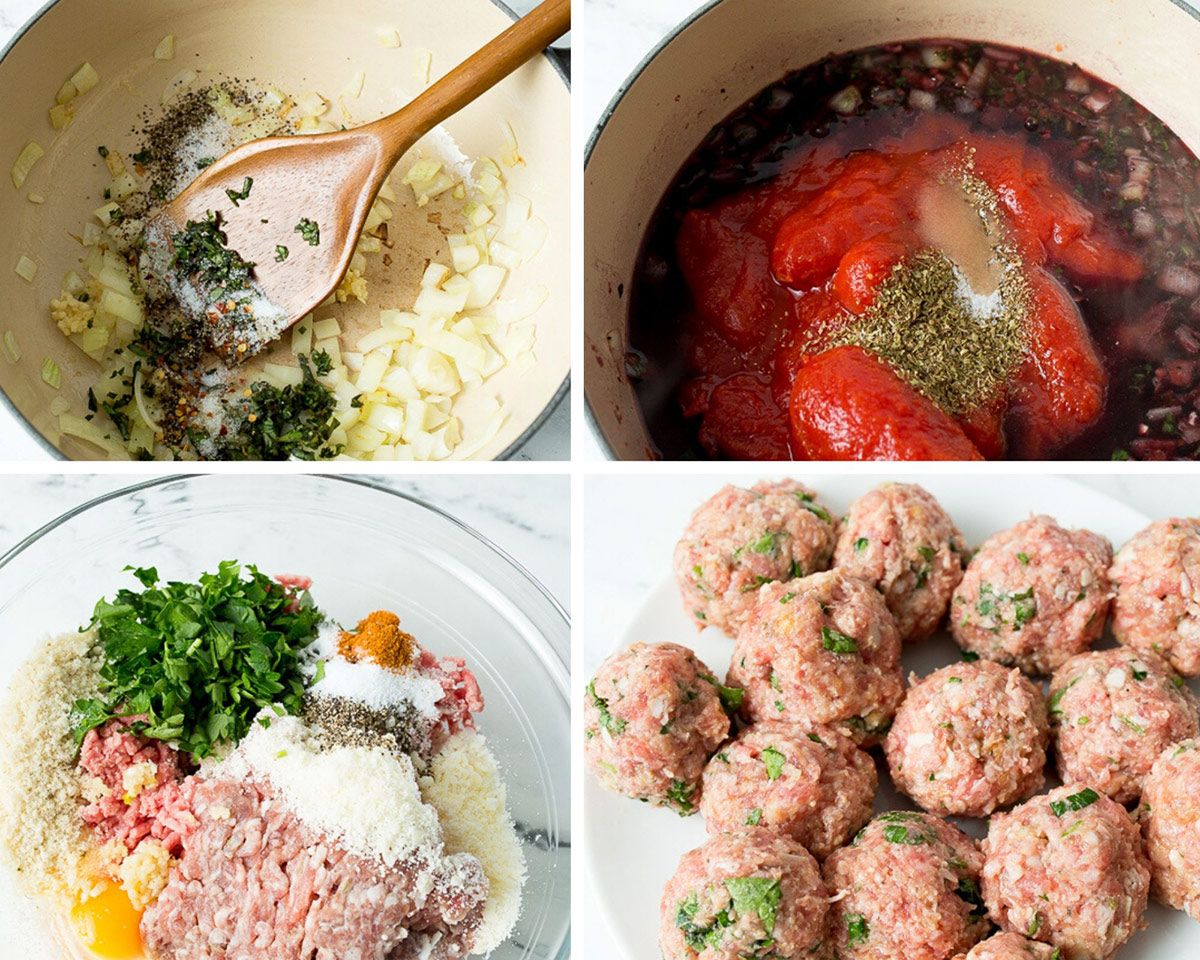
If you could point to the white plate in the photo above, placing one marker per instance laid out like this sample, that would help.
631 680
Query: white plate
633 848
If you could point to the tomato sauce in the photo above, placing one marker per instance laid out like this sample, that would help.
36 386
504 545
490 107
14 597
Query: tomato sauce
800 210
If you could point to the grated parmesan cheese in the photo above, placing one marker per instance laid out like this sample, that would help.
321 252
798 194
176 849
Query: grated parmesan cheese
42 837
464 786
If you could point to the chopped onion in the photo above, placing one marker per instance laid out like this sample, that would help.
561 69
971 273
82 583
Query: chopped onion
36 198
11 347
60 115
1178 280
1077 83
177 84
353 90
139 398
846 101
51 374
511 155
936 58
922 100
422 65
85 78
166 48
1143 223
1097 101
979 76
329 327
25 161
26 269
66 93
388 37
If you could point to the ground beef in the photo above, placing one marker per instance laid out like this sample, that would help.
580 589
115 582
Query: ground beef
255 883
1114 712
743 896
1009 946
907 888
652 717
809 783
461 697
1067 868
1170 815
161 810
1034 595
1157 576
823 649
899 537
740 539
969 738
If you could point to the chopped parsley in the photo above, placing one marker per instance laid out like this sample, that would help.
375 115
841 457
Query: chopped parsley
968 890
309 230
969 656
1023 557
768 543
236 195
679 794
837 642
773 760
731 697
614 725
1138 674
807 499
895 833
291 421
786 597
281 253
199 660
1076 801
927 553
759 895
861 544
1056 697
857 929
755 817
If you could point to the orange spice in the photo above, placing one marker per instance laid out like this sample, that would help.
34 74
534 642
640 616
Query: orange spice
378 638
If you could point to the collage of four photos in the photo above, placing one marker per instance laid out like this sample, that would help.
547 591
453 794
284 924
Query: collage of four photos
403 553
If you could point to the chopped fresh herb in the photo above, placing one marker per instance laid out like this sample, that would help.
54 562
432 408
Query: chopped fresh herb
900 816
201 251
1035 924
1138 673
896 833
767 543
1056 697
1076 801
779 706
815 739
205 162
968 890
759 895
970 656
614 725
927 553
731 697
857 929
954 680
679 793
773 760
309 230
861 544
754 818
322 362
281 253
1023 557
786 597
199 660
292 421
1072 828
837 642
103 151
773 680
1131 724
236 195
722 756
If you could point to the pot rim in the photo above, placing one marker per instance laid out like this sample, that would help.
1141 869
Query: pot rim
509 452
593 423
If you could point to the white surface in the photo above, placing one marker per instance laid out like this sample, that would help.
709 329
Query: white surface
528 516
633 524
551 442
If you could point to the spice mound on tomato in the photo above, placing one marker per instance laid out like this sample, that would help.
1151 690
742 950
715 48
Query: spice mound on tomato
934 251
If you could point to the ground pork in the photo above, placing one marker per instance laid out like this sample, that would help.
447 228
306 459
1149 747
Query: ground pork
256 883
740 539
899 537
461 697
1170 817
1009 946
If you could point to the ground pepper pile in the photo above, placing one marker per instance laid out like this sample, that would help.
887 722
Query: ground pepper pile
379 639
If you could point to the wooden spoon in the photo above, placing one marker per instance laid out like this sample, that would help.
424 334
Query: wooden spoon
331 179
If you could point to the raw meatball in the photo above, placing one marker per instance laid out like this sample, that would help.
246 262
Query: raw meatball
899 537
1067 868
1114 712
1157 576
750 895
823 649
809 783
1009 946
908 889
969 738
1033 595
1170 814
740 539
652 717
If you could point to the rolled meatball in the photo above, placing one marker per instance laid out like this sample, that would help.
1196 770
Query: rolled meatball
823 649
652 717
809 783
898 537
740 539
969 738
1113 713
1170 814
749 895
1009 946
1157 577
1067 868
1034 595
908 889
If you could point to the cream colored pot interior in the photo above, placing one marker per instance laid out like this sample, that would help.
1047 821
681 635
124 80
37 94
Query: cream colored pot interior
298 45
1151 49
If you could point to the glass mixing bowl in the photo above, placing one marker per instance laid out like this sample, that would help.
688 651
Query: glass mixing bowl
365 548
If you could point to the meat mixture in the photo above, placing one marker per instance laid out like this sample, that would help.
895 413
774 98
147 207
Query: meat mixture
740 539
741 897
899 537
256 883
652 716
1157 578
1170 813
1114 712
1009 946
969 738
1067 868
907 888
806 782
1033 595
823 649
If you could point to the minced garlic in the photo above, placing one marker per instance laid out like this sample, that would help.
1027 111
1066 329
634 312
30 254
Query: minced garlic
144 873
137 778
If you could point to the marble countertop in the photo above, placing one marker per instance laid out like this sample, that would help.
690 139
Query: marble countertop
526 516
552 441
633 523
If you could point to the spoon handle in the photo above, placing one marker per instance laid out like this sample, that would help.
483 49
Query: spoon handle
478 73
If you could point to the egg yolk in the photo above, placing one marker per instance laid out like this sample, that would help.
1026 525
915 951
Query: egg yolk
108 925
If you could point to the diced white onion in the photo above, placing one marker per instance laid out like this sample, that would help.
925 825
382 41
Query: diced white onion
30 155
26 269
166 48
